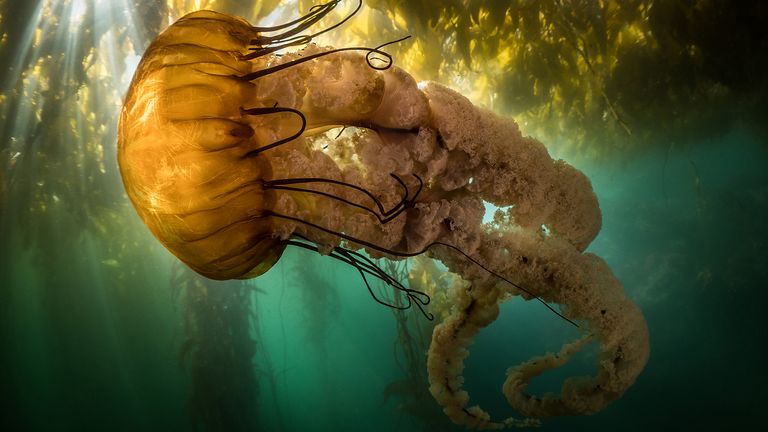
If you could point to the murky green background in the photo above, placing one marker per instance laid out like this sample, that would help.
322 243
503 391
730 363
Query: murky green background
102 329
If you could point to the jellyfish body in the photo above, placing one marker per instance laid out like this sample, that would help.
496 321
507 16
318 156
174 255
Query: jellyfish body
195 122
181 145
224 153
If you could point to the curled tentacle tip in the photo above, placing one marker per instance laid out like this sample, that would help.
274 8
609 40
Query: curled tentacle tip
422 298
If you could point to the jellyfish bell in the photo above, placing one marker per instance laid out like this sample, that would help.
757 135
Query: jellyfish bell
223 153
180 148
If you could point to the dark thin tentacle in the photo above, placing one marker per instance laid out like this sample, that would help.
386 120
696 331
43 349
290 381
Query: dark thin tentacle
352 263
264 72
421 297
373 269
289 38
360 269
335 253
309 20
329 195
391 213
420 303
388 215
421 187
404 202
340 23
315 10
411 254
341 132
283 182
274 110
260 52
315 14
377 50
292 181
350 258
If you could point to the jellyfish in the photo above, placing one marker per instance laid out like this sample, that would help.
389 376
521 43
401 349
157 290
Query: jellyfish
230 151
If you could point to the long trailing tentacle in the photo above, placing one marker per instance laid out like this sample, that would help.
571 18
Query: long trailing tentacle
270 70
261 52
420 297
414 296
340 23
289 38
316 11
292 181
364 265
352 263
384 216
264 45
412 254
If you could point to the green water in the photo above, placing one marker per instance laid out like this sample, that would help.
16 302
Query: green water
102 329
79 354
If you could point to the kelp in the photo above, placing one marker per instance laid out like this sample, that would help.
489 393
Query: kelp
410 393
599 78
218 351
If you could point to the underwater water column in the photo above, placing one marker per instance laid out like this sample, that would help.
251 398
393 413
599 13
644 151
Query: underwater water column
87 318
217 154
85 330
218 352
